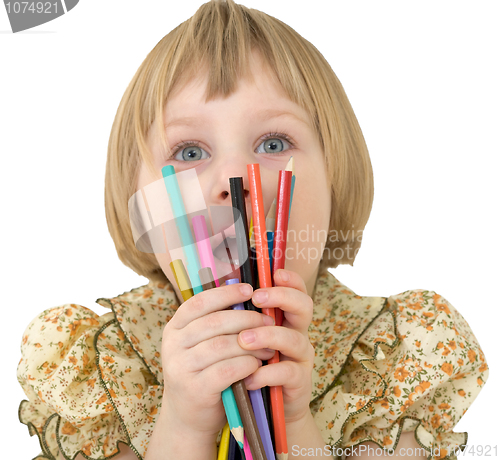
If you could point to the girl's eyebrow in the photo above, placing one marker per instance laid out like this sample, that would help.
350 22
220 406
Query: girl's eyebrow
262 115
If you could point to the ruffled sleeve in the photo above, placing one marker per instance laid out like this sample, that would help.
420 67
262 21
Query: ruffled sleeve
90 382
416 367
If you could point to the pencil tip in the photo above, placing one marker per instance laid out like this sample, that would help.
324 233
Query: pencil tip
290 166
239 434
272 213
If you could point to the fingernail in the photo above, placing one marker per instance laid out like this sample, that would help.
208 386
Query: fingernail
246 289
248 336
270 350
260 297
268 320
284 276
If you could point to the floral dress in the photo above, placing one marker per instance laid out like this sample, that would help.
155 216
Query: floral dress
409 362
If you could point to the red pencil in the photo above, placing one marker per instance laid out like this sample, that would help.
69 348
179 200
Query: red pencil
281 228
265 280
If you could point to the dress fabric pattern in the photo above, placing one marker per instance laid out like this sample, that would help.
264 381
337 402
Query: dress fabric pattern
382 366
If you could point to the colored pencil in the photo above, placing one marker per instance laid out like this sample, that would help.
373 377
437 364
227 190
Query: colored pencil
233 415
265 390
258 403
249 422
241 234
181 278
281 227
239 409
234 452
270 222
204 246
248 269
228 397
253 258
290 166
270 244
247 450
206 278
246 413
182 223
259 231
224 443
265 281
271 217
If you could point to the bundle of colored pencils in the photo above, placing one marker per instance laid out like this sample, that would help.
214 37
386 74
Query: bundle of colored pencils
248 413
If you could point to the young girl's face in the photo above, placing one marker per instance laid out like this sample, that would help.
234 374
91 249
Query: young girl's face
255 124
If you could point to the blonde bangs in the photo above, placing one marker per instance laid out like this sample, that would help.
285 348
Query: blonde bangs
219 39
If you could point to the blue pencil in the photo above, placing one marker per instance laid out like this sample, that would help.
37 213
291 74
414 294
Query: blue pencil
233 415
270 223
182 222
270 243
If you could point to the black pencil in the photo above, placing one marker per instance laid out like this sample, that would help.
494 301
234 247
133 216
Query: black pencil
241 231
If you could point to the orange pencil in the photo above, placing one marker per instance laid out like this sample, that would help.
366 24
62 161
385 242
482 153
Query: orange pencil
259 231
265 280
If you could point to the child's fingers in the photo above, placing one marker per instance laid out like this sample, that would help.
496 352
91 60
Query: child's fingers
291 279
285 373
209 301
297 305
221 323
224 373
217 349
288 342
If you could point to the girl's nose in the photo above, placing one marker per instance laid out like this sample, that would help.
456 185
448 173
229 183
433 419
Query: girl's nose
219 192
226 195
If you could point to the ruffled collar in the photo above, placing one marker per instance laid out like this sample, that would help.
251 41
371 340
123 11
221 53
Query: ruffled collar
339 318
142 313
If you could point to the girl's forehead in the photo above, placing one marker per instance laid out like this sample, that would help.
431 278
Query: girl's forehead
257 73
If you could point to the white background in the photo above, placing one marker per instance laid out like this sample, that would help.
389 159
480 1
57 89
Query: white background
422 78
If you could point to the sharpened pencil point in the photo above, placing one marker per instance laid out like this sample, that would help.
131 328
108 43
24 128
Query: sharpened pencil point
271 217
238 434
290 166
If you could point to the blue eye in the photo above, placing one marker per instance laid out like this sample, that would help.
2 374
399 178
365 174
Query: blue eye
190 153
274 144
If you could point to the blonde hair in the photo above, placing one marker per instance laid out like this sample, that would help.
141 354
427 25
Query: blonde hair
221 36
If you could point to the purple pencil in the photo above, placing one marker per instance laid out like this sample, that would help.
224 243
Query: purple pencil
258 403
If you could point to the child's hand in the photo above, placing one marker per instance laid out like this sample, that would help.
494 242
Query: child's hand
201 357
294 370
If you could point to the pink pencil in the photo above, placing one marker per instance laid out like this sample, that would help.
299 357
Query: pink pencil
246 448
203 244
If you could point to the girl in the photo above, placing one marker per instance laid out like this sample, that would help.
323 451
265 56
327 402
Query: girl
229 87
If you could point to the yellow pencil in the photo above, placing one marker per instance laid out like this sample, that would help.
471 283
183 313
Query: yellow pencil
182 279
224 443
